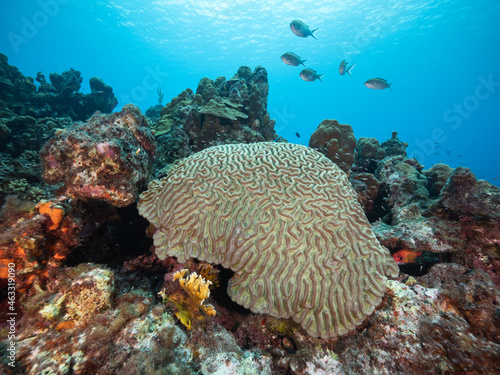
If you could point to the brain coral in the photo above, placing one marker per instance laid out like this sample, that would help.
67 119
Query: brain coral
284 218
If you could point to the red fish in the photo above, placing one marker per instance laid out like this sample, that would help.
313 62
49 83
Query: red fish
406 256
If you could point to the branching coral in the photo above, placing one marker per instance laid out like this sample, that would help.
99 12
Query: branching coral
197 289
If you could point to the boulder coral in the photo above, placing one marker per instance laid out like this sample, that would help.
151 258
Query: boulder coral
437 175
108 158
337 142
237 205
368 154
68 82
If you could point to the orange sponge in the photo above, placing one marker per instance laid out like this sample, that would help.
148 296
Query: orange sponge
55 213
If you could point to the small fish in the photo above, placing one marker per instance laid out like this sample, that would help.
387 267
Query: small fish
299 28
290 58
378 84
406 256
310 75
344 68
297 134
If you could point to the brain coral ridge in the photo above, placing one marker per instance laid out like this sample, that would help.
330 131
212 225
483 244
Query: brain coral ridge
284 218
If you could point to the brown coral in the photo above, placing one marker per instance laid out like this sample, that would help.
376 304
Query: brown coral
285 219
336 141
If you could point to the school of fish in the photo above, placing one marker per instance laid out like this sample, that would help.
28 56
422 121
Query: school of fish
302 30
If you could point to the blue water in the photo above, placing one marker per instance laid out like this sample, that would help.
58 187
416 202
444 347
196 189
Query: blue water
442 58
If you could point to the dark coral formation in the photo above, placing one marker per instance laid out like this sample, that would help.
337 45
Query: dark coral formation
437 176
30 116
219 112
337 142
21 133
465 196
15 88
394 146
59 98
368 154
107 158
367 187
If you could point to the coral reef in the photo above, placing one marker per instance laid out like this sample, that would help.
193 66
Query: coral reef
394 146
368 154
437 175
219 112
367 186
37 239
115 327
29 116
283 217
446 321
403 182
108 158
465 196
423 330
337 142
24 133
15 88
270 267
461 223
59 98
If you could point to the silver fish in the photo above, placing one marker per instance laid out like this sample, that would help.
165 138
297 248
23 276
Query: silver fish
290 58
378 84
344 68
301 29
310 75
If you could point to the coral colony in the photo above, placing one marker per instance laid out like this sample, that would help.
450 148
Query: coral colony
194 240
